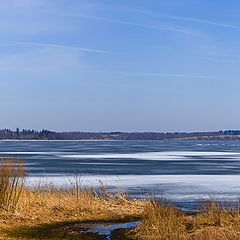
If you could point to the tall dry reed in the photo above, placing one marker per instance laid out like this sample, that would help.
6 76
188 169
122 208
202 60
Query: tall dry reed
12 176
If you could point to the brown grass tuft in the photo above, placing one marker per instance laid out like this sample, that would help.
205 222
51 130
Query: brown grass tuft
165 222
162 221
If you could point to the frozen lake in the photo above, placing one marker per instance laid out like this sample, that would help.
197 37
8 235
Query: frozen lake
179 170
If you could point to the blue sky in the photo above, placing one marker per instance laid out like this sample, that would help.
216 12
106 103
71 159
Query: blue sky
98 65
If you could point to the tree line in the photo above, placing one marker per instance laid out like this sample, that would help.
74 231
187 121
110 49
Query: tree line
27 134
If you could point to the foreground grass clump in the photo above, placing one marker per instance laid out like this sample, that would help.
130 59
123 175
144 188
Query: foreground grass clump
56 204
162 221
47 212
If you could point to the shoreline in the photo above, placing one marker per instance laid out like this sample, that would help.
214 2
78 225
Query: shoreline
124 140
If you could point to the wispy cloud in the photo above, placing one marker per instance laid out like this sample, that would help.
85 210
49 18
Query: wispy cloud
136 24
152 74
41 62
188 19
60 46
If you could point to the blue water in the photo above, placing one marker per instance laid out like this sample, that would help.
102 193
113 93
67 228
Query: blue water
178 170
106 229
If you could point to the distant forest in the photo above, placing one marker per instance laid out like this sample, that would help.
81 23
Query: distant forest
8 134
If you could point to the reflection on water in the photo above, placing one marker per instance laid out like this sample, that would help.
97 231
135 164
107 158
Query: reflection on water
106 229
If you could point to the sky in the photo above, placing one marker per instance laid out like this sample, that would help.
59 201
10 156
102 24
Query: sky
120 65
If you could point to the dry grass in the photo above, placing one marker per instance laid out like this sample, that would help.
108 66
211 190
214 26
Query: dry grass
35 213
47 212
50 213
165 222
162 221
57 205
12 175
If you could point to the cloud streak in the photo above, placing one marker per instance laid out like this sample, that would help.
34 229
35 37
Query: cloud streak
142 25
59 46
188 19
151 74
41 62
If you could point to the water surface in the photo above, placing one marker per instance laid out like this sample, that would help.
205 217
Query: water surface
182 171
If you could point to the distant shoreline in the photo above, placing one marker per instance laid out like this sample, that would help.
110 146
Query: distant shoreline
46 135
118 140
122 140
